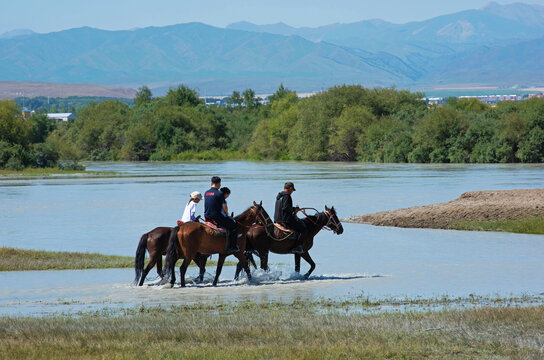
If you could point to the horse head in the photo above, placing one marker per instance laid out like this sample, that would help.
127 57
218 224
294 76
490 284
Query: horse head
333 223
257 210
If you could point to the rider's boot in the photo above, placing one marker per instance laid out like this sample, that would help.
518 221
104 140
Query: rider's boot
232 247
298 246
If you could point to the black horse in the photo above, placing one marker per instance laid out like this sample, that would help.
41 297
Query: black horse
265 237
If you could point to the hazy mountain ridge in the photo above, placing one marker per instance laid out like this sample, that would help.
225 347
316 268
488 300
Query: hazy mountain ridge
497 44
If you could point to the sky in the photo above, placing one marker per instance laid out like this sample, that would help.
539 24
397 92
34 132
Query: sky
54 15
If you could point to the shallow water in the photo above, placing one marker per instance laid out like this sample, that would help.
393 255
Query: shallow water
108 215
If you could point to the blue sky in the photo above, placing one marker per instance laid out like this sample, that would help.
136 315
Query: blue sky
54 15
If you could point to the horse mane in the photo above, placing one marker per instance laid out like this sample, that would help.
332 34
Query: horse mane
241 215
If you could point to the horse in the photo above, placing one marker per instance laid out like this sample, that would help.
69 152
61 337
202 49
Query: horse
156 243
194 238
265 237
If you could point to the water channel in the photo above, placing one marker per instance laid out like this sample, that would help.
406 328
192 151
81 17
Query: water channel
109 214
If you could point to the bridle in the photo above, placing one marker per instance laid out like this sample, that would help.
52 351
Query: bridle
330 219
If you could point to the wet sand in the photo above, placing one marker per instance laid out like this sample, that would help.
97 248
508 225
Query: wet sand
474 205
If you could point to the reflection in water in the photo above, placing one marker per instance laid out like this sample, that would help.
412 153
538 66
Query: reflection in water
108 215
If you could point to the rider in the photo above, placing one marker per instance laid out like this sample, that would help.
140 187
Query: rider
286 214
226 193
214 203
190 208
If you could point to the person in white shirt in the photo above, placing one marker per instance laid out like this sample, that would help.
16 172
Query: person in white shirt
190 208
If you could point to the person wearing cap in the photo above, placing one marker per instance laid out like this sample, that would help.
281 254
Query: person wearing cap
190 208
285 214
214 204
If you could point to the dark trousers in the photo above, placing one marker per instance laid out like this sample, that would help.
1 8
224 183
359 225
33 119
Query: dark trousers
299 227
230 225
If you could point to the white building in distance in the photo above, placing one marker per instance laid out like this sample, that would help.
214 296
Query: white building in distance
61 116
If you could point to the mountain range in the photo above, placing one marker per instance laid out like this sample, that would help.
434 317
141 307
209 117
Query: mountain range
497 45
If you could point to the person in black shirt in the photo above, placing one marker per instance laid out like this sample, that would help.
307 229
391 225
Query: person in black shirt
214 203
286 214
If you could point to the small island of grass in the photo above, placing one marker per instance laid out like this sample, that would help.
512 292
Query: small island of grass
23 260
517 211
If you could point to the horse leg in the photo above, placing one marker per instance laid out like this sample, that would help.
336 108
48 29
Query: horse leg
297 263
220 262
264 261
251 260
159 267
306 256
146 271
238 269
242 259
201 260
183 270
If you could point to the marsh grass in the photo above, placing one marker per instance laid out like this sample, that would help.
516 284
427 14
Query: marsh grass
49 172
532 225
298 330
22 260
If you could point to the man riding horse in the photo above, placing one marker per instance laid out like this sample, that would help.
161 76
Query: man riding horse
214 203
285 214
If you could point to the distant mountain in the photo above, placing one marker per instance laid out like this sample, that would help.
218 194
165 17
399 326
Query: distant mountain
15 33
497 45
430 38
196 54
519 63
15 89
532 15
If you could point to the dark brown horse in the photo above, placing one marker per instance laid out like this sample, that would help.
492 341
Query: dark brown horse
195 238
265 237
156 243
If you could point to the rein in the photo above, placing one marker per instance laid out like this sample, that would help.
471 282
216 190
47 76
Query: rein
324 227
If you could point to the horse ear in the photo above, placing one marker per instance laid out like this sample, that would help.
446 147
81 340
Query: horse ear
326 208
332 208
254 203
261 203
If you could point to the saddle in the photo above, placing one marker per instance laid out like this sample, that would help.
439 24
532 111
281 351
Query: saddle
218 230
282 227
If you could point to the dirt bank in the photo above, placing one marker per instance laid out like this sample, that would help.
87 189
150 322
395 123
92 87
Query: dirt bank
475 205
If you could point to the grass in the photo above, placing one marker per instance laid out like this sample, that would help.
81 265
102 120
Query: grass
532 225
298 330
37 172
22 260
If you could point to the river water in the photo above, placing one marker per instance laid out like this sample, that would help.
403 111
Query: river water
109 214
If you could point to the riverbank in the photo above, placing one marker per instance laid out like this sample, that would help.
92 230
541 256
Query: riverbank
333 330
519 211
6 174
12 259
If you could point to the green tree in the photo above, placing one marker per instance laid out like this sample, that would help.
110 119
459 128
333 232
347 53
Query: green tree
235 99
183 95
249 98
143 96
13 128
279 94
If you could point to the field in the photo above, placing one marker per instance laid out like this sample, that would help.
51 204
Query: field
297 330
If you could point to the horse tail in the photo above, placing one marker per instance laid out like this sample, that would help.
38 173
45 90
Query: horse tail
171 255
140 257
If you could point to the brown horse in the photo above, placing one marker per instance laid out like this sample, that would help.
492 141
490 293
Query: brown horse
194 238
156 243
265 237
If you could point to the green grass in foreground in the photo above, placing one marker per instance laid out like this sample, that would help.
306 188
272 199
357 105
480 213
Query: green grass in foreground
21 260
277 331
533 225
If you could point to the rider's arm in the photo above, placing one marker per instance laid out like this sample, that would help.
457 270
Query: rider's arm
226 208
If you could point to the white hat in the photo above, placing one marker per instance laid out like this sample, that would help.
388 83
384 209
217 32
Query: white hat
196 195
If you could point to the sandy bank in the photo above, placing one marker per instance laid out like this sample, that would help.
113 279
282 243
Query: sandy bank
475 205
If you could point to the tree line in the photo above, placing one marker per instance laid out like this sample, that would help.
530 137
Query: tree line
344 123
